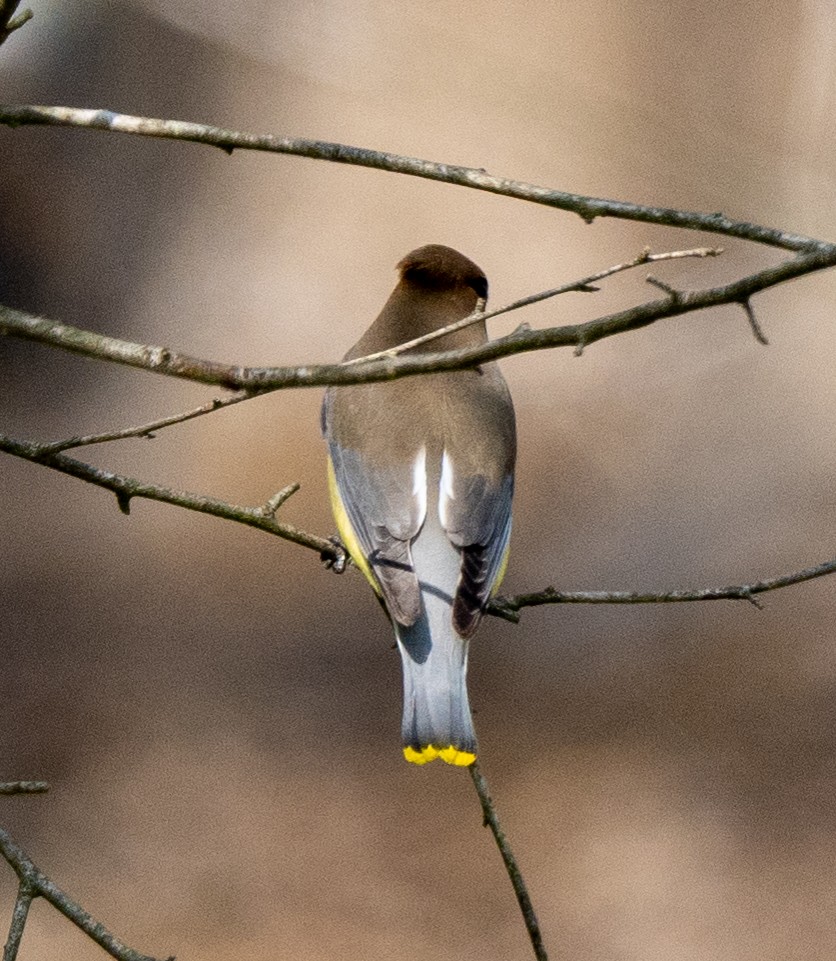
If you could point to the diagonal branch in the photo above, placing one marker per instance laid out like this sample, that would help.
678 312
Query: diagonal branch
161 360
263 518
491 820
15 115
145 430
126 488
581 286
8 21
20 915
34 883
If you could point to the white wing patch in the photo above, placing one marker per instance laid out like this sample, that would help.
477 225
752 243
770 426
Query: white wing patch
445 489
419 484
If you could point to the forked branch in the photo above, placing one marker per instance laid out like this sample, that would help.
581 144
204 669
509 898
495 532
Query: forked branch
33 883
808 256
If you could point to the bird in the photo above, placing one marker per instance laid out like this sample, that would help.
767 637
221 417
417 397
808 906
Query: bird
421 481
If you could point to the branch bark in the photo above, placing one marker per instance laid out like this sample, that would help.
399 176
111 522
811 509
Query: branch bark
162 360
34 883
490 819
589 208
126 488
8 21
509 607
810 255
263 518
23 787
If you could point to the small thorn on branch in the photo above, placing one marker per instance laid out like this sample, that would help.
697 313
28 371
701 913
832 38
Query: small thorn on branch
747 595
124 501
757 330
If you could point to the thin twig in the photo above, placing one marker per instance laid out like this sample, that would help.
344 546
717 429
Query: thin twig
589 208
8 21
275 502
491 820
147 430
34 883
507 607
582 286
161 360
672 292
23 787
263 518
757 330
25 895
126 488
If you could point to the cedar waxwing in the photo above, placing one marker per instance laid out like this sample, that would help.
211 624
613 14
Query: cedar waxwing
421 476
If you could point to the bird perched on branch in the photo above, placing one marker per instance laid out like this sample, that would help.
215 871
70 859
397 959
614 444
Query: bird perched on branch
421 477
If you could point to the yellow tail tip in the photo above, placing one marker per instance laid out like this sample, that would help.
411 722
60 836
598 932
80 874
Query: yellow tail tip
449 754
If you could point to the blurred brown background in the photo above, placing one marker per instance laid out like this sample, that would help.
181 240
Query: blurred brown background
219 716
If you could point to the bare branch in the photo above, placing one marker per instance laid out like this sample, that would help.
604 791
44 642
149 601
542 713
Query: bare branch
8 21
757 330
20 915
34 883
263 518
15 115
672 292
161 360
491 820
126 488
147 430
581 286
269 509
508 607
23 787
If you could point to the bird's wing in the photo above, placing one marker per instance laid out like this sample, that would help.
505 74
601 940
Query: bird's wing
476 513
383 509
477 487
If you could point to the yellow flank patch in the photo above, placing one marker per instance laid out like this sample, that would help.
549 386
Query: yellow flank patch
451 755
349 538
503 566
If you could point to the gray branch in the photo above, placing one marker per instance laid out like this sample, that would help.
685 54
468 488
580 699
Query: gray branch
810 255
508 607
126 488
490 819
34 883
23 787
589 208
263 518
145 430
162 360
8 21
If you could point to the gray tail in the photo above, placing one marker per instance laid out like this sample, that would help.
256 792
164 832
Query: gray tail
436 711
